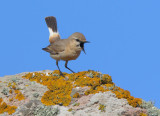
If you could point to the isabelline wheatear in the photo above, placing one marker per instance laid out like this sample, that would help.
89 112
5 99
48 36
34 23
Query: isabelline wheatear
63 49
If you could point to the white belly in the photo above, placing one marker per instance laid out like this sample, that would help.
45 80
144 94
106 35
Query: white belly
56 57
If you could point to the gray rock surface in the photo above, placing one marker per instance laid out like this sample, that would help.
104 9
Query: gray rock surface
83 106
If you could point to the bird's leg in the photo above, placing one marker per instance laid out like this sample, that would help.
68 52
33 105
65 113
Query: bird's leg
61 74
68 68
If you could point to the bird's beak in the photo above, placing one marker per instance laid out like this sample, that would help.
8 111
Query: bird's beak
83 50
86 42
83 46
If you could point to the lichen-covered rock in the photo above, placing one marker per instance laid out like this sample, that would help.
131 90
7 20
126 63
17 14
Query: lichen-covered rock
36 108
46 93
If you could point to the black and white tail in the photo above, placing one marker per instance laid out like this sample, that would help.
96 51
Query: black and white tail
52 26
51 23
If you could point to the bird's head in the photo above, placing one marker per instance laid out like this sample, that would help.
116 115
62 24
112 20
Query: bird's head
80 40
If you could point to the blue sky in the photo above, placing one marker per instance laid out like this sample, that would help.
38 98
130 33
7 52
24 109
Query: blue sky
124 36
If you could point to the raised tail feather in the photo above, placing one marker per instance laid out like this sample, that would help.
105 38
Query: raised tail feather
51 23
52 27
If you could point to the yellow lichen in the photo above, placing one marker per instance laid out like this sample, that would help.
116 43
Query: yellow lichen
11 109
6 108
70 109
100 88
143 114
1 100
120 93
106 79
19 95
109 85
102 107
76 95
87 92
9 84
60 87
13 87
16 91
10 99
10 91
56 97
76 104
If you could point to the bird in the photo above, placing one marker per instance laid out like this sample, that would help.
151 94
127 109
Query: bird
63 49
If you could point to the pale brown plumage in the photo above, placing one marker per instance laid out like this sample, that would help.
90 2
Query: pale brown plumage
63 49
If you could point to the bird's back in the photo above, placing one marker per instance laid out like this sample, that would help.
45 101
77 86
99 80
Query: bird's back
56 47
63 49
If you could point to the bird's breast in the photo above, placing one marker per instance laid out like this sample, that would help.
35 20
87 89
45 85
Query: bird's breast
70 55
71 52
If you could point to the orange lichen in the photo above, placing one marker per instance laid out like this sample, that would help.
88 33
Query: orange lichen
1 100
70 109
16 91
109 85
19 95
87 92
13 87
10 91
6 108
143 114
59 93
102 107
60 87
76 95
100 88
120 93
106 79
9 84
11 109
10 99
53 98
87 81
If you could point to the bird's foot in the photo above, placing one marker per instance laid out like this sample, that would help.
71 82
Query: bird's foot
61 74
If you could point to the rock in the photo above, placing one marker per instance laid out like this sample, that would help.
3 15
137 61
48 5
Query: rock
98 104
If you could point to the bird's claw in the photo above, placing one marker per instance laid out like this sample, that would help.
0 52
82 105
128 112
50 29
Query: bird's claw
61 74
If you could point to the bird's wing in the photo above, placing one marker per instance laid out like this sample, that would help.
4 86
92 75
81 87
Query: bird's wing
52 26
56 47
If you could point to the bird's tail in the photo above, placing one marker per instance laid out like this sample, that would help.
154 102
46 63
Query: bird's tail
46 49
52 26
51 23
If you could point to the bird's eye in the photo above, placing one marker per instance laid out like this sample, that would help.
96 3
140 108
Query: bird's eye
77 40
78 45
